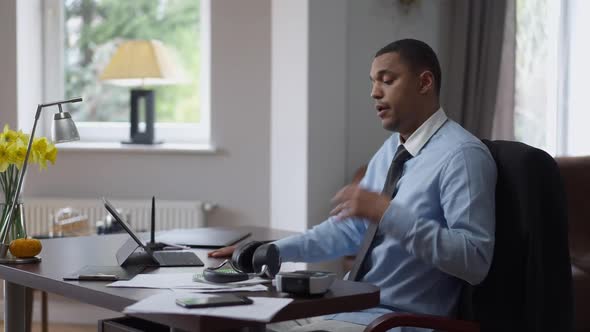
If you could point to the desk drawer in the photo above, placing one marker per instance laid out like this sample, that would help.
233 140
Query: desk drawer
130 324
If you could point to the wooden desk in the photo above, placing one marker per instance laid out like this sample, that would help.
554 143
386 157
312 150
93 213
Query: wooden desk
66 255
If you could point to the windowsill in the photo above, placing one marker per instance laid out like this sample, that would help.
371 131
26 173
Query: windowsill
163 148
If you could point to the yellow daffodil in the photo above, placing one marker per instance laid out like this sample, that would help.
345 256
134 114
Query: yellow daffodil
4 157
9 135
16 154
51 154
48 153
39 149
3 133
14 149
20 136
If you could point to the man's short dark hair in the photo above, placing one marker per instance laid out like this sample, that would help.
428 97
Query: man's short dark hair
418 55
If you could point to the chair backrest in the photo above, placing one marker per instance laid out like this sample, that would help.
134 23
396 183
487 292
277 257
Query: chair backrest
575 172
528 287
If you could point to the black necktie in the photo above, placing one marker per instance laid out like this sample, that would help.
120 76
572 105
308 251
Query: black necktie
393 175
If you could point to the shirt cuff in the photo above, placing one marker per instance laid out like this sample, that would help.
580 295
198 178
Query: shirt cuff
289 248
397 221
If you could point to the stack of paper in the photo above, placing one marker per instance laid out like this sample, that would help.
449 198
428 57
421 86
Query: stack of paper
254 288
185 281
262 310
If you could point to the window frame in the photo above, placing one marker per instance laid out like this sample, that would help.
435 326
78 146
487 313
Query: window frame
53 64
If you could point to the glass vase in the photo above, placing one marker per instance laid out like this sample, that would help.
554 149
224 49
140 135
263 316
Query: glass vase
8 183
17 229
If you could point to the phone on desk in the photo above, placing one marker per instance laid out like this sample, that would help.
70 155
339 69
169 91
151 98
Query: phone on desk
213 301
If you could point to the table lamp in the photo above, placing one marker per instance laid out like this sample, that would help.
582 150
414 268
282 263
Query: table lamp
138 63
63 130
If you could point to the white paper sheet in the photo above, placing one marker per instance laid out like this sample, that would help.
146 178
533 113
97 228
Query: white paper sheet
185 281
251 281
254 288
263 309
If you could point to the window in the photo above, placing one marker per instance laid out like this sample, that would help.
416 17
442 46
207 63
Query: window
88 33
551 67
536 66
578 115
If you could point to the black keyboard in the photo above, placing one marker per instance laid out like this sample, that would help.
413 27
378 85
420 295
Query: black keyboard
177 258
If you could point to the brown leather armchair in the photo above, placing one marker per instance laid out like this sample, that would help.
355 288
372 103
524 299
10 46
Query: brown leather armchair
575 172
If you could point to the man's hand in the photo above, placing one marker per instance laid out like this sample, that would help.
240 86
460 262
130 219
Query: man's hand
222 252
353 201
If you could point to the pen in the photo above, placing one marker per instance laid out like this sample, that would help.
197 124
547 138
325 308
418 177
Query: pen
175 247
98 277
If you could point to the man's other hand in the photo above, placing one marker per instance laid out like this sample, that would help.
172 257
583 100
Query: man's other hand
222 252
353 201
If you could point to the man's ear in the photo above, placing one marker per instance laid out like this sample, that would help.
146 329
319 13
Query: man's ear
426 81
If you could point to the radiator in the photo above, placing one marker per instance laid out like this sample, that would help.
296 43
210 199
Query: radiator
39 212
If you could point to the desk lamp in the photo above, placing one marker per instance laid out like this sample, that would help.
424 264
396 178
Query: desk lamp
63 130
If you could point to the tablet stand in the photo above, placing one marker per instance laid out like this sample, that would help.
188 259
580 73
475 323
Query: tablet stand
128 255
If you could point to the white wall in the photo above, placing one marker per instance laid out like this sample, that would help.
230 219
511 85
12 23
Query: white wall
238 176
30 73
308 110
289 118
20 63
8 89
372 25
328 76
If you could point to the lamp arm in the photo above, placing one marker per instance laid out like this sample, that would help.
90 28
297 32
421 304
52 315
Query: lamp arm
61 102
5 223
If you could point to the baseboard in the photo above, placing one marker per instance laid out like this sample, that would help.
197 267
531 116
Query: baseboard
63 310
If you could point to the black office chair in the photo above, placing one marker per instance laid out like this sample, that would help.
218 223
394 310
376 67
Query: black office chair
529 285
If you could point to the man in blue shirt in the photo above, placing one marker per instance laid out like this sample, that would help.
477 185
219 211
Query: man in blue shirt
438 230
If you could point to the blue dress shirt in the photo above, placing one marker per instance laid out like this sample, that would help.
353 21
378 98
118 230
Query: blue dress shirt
437 233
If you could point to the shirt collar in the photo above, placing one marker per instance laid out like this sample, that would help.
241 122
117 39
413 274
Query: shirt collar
420 137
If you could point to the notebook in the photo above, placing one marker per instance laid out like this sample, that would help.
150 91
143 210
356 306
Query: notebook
205 237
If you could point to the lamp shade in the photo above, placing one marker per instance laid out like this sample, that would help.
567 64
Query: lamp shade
64 129
143 62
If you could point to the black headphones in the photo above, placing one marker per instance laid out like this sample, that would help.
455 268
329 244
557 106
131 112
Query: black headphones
251 259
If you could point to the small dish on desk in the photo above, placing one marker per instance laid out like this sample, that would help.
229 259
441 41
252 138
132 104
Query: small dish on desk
14 260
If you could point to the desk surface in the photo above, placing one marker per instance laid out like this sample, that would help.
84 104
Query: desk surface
66 255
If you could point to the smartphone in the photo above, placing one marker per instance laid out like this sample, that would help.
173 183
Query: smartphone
214 301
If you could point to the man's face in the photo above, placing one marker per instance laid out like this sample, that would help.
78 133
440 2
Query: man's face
395 90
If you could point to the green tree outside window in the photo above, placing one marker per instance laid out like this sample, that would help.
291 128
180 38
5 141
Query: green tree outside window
93 28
